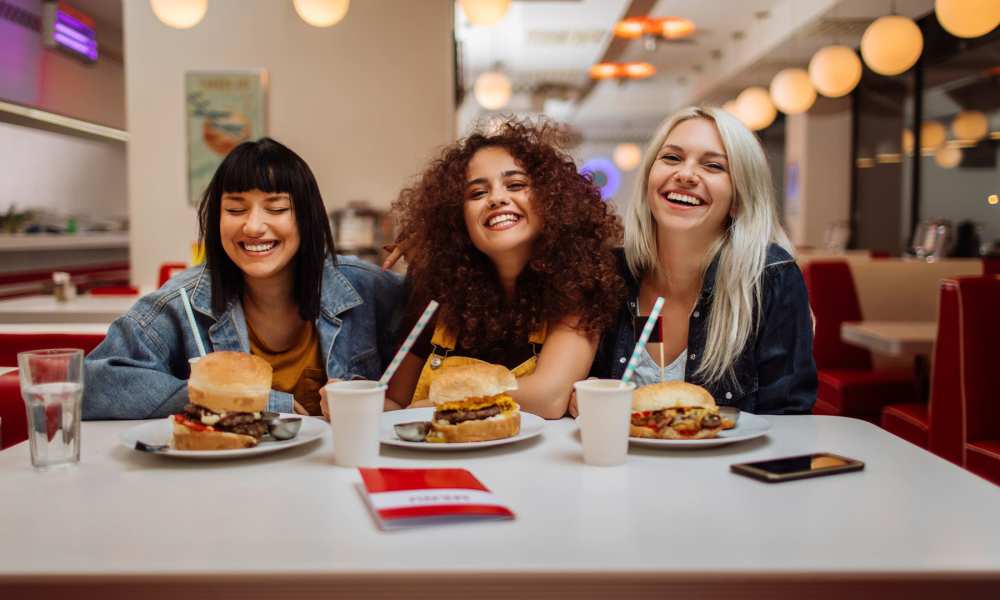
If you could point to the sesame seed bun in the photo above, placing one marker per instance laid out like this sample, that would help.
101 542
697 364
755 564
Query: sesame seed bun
454 384
671 394
230 382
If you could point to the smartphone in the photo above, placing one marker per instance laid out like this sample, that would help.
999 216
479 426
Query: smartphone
798 467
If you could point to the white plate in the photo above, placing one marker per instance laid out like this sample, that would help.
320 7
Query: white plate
531 425
748 427
159 431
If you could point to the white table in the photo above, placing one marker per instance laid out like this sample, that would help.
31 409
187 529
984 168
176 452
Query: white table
291 525
892 338
82 309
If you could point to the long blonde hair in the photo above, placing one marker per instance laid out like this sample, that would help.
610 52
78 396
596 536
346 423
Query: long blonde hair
741 248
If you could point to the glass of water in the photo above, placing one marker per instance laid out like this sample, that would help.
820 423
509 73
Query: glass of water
52 388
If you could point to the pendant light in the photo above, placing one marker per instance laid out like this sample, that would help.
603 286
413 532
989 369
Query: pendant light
484 12
968 18
891 44
492 90
835 71
792 92
970 126
756 108
627 156
180 14
322 13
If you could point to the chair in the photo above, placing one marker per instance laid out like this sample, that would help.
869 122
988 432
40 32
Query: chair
937 425
848 385
15 420
167 270
991 265
979 299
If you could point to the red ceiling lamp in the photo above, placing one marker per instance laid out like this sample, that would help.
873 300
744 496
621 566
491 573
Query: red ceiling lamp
669 28
629 70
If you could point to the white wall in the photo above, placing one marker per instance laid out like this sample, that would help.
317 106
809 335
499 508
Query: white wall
366 103
818 146
61 173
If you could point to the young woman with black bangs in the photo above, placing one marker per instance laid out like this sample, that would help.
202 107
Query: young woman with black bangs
272 285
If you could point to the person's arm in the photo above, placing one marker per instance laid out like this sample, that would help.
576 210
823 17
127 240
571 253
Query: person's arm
786 371
402 384
565 359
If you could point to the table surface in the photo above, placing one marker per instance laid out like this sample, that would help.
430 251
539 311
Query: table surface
666 513
892 338
82 309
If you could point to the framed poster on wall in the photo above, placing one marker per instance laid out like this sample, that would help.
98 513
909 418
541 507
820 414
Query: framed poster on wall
224 109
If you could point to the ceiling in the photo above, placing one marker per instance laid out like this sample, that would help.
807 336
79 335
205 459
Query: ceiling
546 47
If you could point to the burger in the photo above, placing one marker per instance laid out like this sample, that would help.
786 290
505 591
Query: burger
674 410
471 404
227 393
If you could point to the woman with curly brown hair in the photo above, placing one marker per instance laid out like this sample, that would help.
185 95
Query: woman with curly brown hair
516 245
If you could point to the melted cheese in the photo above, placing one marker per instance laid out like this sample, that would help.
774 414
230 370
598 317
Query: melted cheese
505 402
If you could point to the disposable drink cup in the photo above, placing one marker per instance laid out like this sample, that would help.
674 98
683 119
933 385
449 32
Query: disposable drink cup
605 410
52 388
355 412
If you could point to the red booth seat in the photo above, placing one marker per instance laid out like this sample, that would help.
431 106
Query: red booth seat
979 301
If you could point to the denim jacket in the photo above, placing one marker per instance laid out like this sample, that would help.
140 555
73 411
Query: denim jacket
775 373
140 370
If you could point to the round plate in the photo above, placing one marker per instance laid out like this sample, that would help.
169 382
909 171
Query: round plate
748 427
159 431
531 425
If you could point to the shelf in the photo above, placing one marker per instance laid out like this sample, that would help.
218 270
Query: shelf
33 117
27 242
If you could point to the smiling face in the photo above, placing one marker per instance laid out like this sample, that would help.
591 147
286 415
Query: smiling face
689 188
499 215
259 233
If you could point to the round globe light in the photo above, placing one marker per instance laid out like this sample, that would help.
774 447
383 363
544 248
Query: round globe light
891 44
484 12
948 157
932 135
322 13
835 71
181 14
968 18
970 125
627 156
908 142
492 90
756 108
792 92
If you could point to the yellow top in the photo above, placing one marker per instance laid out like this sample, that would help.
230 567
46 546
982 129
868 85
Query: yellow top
299 370
444 341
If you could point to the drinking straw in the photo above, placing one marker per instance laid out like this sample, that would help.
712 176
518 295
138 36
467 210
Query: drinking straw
663 363
194 326
414 334
643 338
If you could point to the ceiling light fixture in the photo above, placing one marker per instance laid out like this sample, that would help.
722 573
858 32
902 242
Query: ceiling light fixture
968 18
892 44
670 28
484 12
630 70
932 135
492 90
948 157
180 14
835 71
627 156
756 108
792 92
970 125
322 13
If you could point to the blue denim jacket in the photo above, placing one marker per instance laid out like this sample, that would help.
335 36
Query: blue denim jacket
775 373
140 370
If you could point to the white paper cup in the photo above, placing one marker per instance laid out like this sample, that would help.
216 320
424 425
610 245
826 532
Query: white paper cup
355 412
605 410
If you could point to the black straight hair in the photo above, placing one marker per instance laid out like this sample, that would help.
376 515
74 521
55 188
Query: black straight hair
271 167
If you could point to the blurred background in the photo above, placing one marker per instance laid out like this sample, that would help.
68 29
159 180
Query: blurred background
880 118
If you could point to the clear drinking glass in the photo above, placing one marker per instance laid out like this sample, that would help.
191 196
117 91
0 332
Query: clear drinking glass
52 388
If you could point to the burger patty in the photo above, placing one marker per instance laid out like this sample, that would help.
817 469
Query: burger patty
458 416
234 422
678 420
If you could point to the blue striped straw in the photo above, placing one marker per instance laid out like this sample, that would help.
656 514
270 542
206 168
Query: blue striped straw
414 334
194 326
646 331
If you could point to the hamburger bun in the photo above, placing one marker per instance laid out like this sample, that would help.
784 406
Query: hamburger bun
669 433
671 394
480 380
190 439
230 382
504 425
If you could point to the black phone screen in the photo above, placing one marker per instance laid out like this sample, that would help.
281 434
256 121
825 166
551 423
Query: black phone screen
796 467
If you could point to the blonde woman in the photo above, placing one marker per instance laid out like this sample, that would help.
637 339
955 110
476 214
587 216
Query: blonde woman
702 231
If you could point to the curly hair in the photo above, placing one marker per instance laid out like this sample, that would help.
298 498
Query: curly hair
572 271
